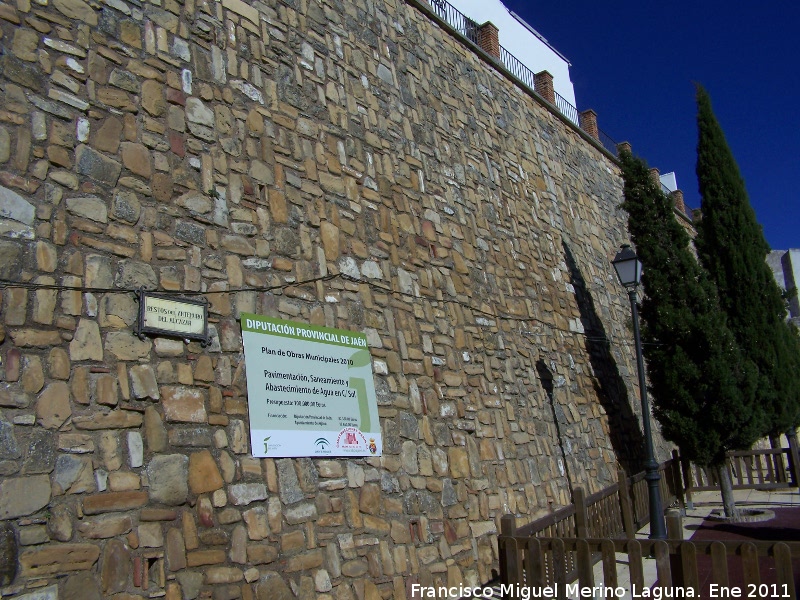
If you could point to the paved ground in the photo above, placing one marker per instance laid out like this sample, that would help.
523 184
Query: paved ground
785 503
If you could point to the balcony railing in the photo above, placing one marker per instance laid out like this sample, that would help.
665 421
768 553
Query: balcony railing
469 29
517 69
456 19
567 109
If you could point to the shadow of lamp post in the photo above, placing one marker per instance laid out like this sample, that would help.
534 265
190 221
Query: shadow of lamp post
629 271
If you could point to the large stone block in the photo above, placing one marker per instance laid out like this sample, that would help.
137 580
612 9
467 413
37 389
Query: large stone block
183 404
77 9
53 405
91 163
169 479
113 501
204 475
86 344
58 558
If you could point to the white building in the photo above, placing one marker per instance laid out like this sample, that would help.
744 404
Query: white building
523 41
785 265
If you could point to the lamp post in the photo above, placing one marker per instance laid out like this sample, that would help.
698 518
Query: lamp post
629 270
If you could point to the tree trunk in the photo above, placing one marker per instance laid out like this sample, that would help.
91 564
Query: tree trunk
794 457
726 488
777 459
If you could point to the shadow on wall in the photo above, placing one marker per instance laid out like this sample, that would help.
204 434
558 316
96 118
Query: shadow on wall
559 419
624 430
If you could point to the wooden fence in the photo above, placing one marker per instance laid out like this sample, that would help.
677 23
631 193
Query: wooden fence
564 567
563 547
623 509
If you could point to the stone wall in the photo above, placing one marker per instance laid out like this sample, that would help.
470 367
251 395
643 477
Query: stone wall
344 163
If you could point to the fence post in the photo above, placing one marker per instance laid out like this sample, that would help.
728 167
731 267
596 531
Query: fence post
625 504
675 532
581 514
510 558
794 457
674 524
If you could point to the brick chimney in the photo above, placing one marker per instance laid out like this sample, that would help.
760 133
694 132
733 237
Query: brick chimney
489 39
588 120
543 85
655 177
624 147
677 198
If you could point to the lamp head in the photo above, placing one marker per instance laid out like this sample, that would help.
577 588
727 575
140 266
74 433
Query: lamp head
628 266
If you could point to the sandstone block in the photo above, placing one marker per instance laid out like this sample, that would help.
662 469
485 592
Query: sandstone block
107 136
143 382
168 476
257 523
104 527
135 274
183 404
34 338
73 475
116 419
150 535
136 158
106 391
59 523
126 346
32 375
119 311
305 561
22 496
113 502
58 364
218 575
135 449
116 567
53 406
204 476
155 432
82 586
88 207
91 163
77 9
261 554
175 550
198 112
242 494
58 558
86 344
199 558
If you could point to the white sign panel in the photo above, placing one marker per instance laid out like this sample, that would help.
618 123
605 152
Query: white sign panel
310 390
173 315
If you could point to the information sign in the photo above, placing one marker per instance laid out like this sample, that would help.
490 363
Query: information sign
179 317
310 390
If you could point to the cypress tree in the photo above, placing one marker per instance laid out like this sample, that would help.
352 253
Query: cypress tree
701 385
732 248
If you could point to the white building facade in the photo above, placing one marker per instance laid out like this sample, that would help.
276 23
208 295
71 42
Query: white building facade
522 41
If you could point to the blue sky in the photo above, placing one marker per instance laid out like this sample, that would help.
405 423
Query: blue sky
635 63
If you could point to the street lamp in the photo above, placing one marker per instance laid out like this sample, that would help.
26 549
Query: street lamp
629 270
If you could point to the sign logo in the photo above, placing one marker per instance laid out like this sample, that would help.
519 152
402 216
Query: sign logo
322 443
373 447
350 439
266 446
